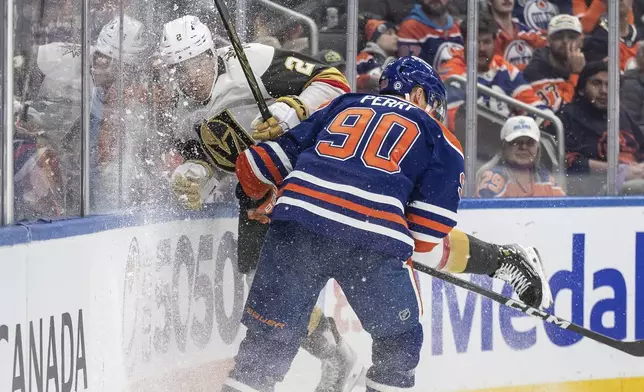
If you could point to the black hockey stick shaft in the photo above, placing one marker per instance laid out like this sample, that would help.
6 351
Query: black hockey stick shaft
243 60
635 348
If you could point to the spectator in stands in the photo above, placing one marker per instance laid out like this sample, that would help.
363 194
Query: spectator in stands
382 44
596 44
554 70
293 37
390 10
494 72
585 124
516 171
515 41
429 32
632 89
590 12
536 14
264 29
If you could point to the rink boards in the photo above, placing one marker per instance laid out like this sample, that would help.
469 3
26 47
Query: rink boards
150 303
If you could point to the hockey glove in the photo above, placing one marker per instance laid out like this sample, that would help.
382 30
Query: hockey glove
287 113
265 207
193 182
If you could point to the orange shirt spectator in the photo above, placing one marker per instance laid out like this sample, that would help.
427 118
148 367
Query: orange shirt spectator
516 170
590 14
515 41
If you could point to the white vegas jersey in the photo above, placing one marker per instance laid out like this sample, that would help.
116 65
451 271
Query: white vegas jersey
278 73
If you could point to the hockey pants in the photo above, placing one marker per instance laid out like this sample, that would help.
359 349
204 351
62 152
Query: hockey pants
295 265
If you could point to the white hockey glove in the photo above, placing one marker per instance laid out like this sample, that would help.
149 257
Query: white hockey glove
193 182
287 113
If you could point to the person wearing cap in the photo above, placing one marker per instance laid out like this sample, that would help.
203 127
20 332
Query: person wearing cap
596 43
554 70
585 122
382 44
493 71
516 170
515 41
429 32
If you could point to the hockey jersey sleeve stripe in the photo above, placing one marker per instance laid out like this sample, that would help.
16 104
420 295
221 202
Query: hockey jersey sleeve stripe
332 77
428 223
268 162
425 237
433 209
279 151
423 247
338 201
370 196
362 225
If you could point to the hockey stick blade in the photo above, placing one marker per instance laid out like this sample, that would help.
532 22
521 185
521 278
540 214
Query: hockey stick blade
635 348
243 60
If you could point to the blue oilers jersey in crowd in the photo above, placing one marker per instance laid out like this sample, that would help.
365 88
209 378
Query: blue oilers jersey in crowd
372 170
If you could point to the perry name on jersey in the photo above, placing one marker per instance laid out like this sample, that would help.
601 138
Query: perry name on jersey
376 171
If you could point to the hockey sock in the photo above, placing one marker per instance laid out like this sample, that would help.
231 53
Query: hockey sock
484 257
463 253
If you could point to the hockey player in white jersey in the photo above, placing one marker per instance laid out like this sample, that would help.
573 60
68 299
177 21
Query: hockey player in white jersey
214 94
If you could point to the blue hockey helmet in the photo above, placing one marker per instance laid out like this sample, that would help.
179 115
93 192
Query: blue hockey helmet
405 73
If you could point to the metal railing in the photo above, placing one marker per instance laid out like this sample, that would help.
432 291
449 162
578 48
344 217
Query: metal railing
7 115
313 27
548 115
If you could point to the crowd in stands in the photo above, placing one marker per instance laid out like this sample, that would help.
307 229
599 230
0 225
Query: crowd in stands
549 54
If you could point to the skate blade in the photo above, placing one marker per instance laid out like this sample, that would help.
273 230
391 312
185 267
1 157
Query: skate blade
535 258
357 371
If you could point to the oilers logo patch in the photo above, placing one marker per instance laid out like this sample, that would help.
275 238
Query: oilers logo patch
537 13
445 52
518 52
223 139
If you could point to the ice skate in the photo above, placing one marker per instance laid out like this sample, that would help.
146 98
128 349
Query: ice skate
341 370
523 270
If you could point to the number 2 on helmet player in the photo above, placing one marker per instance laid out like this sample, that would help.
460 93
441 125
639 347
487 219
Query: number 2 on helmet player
355 123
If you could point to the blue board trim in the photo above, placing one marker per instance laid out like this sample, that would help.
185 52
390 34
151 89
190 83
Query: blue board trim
550 202
42 230
48 230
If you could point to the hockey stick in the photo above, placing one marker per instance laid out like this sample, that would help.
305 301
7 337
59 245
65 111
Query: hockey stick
243 60
635 348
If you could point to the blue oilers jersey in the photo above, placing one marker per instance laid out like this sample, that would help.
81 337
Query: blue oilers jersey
372 170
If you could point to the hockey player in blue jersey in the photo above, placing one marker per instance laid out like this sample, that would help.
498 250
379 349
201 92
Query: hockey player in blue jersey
364 185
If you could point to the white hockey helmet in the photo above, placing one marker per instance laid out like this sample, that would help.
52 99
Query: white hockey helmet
185 38
134 44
